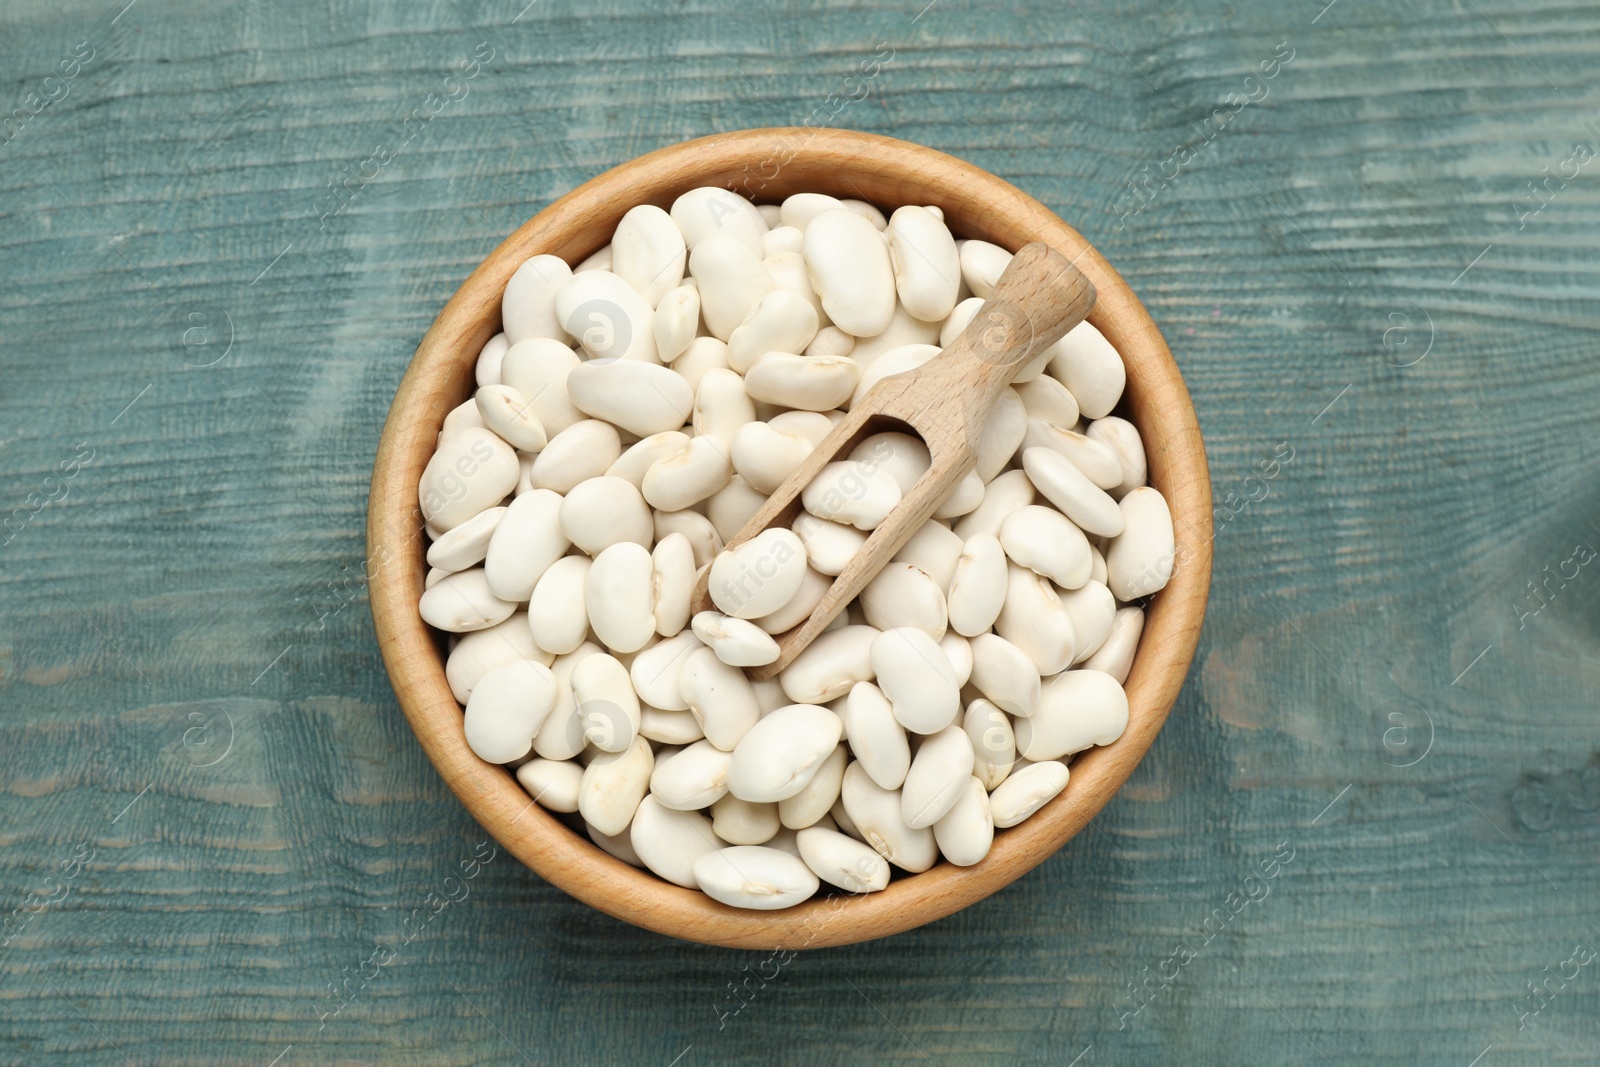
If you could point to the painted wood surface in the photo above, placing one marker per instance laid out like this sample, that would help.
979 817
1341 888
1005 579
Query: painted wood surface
212 816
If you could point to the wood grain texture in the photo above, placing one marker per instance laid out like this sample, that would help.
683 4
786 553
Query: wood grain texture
217 531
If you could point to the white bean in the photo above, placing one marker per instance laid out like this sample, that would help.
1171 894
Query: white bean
472 471
528 307
672 584
939 773
1003 431
1001 497
965 833
736 642
465 545
1046 542
481 651
645 452
605 511
527 541
710 211
462 602
670 842
1047 399
617 593
780 238
1077 710
460 417
561 736
896 360
696 527
732 282
853 492
978 586
959 319
557 615
721 697
1122 437
1093 610
683 480
759 576
813 587
927 267
608 708
914 673
850 269
1003 673
1139 561
1115 655
613 785
702 354
486 371
538 369
648 252
754 877
657 671
732 506
722 407
782 320
958 650
830 546
765 456
982 264
934 550
553 783
903 455
1087 364
669 727
875 814
641 398
1097 462
806 807
831 341
583 450
615 845
1069 489
994 742
741 822
693 778
800 208
842 861
608 317
965 497
780 753
810 383
510 415
904 330
905 595
505 710
1027 790
788 272
1034 619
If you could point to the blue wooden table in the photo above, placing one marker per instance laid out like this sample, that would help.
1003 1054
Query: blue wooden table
1369 833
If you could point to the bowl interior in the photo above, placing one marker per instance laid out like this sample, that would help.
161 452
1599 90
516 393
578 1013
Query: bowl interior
768 165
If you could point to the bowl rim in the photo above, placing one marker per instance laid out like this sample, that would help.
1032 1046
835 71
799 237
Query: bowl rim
439 376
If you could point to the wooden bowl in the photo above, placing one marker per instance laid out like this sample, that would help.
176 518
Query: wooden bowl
769 165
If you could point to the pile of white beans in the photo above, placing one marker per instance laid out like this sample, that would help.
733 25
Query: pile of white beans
637 410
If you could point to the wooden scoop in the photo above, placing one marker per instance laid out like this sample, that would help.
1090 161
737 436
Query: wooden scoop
1036 301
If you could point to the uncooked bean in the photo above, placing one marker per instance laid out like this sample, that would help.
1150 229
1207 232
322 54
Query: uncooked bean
874 812
1087 364
460 417
1005 674
528 307
605 511
810 383
994 742
462 602
894 361
1093 609
1047 399
939 773
965 497
842 861
813 587
680 481
978 585
905 595
617 593
915 675
609 319
616 845
561 736
557 615
722 407
754 877
1034 619
510 416
1003 431
765 456
1028 789
486 371
876 738
1115 655
736 642
675 321
648 252
806 807
673 574
902 455
613 785
465 545
669 727
830 546
1078 709
553 783
853 492
538 369
1139 561
904 330
643 399
645 452
711 211
782 320
505 710
471 471
1046 542
780 238
481 651
1122 437
608 708
779 754
656 671
965 833
849 267
721 697
799 209
1001 497
527 541
831 341
1070 490
691 779
759 576
982 264
743 822
1097 462
732 282
934 550
670 842
731 507
927 267
581 451
702 354
696 527
788 271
